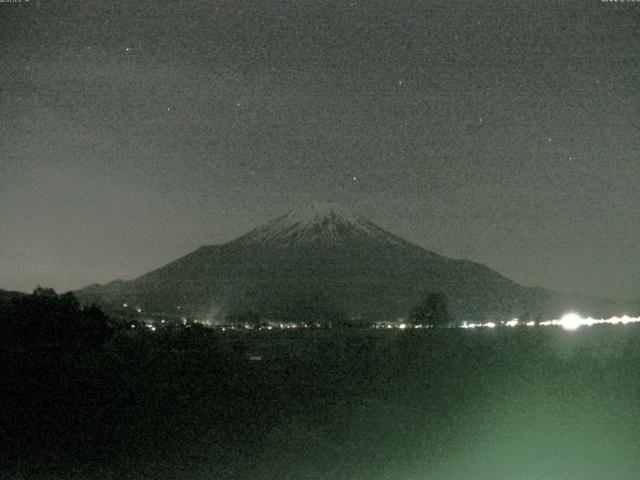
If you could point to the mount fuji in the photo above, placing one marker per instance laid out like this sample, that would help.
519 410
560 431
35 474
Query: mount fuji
323 261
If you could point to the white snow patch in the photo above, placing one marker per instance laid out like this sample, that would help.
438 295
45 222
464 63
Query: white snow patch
319 220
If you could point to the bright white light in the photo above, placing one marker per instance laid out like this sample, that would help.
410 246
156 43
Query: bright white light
139 310
402 326
571 321
125 305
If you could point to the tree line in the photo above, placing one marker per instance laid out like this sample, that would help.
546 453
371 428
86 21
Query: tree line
46 318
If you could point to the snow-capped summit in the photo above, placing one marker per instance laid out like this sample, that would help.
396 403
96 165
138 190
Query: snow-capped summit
326 221
324 263
317 212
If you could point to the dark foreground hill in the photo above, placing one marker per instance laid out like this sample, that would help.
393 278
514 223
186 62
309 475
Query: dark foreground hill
442 404
323 262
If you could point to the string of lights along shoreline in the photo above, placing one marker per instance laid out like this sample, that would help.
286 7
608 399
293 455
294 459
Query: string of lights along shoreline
570 321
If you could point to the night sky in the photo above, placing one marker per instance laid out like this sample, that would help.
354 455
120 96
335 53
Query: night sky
508 133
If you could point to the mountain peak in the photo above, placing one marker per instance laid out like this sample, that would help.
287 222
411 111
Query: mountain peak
318 221
318 212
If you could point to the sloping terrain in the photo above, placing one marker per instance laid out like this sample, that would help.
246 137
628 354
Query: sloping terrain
324 262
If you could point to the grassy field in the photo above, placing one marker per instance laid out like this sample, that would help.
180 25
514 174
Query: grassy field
444 404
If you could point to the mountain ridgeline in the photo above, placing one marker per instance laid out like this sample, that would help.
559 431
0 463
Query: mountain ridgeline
323 262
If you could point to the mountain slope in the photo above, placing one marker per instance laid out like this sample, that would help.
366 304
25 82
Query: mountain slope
322 261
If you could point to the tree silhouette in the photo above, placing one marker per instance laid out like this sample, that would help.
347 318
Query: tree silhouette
433 310
46 318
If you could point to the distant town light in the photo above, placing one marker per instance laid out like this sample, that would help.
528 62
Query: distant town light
572 321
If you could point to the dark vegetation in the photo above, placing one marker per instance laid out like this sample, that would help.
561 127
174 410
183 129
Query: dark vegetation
115 402
46 319
433 310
